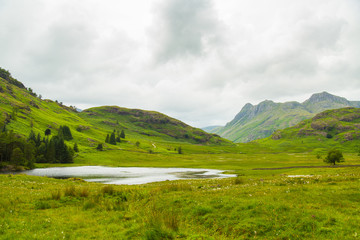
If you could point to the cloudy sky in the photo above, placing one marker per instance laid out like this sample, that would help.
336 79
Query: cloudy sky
196 60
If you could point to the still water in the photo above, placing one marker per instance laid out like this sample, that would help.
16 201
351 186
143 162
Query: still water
127 175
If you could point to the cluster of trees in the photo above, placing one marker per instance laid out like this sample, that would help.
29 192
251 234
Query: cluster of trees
115 137
18 151
15 150
54 149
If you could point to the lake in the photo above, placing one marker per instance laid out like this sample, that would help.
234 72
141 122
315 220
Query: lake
127 175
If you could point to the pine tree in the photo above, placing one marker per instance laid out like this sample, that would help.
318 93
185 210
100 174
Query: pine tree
38 140
32 136
65 132
50 152
76 148
112 138
107 140
99 147
122 134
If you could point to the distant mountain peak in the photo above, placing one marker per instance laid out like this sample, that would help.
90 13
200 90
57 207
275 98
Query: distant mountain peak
325 96
261 120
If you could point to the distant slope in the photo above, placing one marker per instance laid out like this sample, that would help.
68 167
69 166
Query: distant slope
260 121
332 128
148 124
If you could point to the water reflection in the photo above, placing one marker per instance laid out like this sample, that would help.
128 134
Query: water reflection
127 175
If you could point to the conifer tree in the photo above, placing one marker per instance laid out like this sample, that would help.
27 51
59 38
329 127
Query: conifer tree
122 134
76 148
112 138
47 132
32 136
107 140
99 147
50 152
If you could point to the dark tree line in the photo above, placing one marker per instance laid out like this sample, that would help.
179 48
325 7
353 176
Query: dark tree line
19 151
15 150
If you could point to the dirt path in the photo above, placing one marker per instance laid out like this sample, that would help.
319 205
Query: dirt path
330 166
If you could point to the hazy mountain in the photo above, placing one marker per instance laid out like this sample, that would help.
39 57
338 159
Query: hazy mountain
259 121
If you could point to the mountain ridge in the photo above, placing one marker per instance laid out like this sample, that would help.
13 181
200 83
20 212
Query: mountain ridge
261 120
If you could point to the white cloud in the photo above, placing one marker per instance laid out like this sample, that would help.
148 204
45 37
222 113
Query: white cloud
199 60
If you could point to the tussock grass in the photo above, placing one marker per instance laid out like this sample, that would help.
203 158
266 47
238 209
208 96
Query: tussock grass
70 191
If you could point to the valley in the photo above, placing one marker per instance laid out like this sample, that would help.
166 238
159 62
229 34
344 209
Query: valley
286 202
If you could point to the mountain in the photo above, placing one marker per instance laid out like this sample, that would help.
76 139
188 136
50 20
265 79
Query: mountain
260 121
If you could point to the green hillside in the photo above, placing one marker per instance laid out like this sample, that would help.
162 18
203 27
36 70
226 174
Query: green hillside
149 125
338 128
260 121
23 112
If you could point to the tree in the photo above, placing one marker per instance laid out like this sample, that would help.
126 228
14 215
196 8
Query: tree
17 156
76 148
65 132
334 156
112 138
47 132
99 147
32 136
122 134
180 150
107 140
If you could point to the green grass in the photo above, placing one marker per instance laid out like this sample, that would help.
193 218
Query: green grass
323 206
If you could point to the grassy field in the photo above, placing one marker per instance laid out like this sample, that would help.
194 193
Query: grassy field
323 205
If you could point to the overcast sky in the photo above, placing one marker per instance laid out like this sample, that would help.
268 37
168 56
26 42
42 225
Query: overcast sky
199 61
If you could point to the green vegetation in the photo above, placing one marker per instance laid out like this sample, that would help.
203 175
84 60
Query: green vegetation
262 207
281 203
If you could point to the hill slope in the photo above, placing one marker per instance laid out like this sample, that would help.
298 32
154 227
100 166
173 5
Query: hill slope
338 128
147 124
260 121
22 111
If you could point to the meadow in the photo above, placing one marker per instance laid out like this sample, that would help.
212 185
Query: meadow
320 203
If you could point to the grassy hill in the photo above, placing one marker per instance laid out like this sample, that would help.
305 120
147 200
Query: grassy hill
260 121
22 111
338 128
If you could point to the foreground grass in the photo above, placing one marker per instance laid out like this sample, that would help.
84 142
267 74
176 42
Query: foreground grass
323 206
